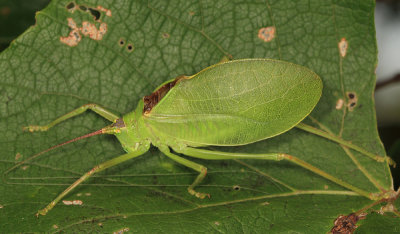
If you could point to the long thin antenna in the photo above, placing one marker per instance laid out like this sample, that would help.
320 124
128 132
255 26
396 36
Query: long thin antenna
98 132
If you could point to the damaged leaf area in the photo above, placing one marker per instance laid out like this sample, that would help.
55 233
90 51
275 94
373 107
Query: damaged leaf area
352 100
74 202
343 45
87 29
266 34
346 224
116 53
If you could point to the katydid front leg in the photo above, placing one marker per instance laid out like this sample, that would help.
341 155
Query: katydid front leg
96 169
94 107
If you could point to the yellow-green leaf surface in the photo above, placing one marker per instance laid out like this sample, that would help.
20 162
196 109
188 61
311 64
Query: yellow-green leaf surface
126 50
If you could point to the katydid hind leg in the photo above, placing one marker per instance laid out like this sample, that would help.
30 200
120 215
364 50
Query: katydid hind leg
195 166
96 169
94 107
343 142
218 155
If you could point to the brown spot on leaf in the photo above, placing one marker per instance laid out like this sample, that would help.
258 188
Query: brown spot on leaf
236 187
107 11
339 104
55 226
74 36
90 30
266 34
87 29
165 35
18 156
346 224
388 208
77 202
74 202
352 100
343 45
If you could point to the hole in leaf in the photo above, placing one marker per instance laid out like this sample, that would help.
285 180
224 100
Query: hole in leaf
236 187
70 5
129 47
121 42
95 13
83 8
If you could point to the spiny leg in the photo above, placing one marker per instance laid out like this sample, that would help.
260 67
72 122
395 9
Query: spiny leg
94 107
98 168
218 155
197 167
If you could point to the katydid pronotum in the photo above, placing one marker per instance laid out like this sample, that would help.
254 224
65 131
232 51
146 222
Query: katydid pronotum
227 104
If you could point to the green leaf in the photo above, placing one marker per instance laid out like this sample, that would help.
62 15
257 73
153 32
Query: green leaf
377 223
147 43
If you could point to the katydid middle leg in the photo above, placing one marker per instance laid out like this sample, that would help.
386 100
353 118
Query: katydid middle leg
94 107
195 166
96 169
218 155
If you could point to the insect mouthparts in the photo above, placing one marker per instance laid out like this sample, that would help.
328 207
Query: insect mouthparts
119 123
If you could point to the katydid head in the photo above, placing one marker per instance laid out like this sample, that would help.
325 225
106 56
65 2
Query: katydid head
130 130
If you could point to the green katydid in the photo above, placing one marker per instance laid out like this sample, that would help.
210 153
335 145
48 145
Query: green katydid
227 104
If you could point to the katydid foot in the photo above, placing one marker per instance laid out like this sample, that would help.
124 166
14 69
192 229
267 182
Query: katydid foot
35 128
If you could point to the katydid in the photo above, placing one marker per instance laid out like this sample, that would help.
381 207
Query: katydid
228 104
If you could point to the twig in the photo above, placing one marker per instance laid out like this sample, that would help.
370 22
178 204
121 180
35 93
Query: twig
394 79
